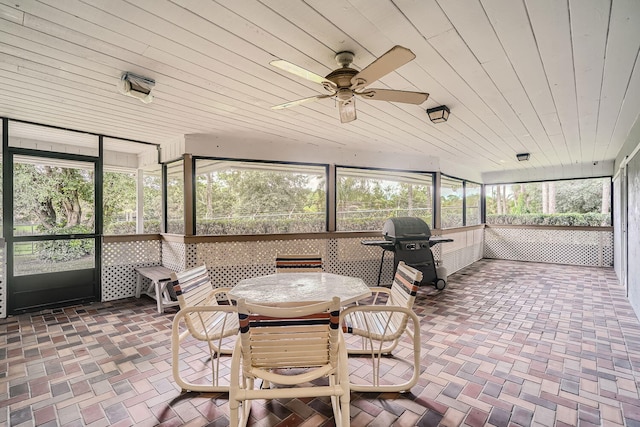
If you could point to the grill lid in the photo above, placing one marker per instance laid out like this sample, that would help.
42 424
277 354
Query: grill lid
405 228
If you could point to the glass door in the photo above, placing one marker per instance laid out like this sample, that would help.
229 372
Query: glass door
52 255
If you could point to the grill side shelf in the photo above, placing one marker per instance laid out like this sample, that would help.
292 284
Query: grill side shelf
434 240
384 244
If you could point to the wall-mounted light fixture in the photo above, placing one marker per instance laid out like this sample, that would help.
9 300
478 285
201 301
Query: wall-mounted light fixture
438 114
136 86
523 157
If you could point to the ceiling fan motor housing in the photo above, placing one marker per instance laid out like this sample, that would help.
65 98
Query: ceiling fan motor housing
342 77
344 59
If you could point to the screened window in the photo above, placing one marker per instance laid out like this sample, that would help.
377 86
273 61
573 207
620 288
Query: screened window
127 164
52 196
119 202
451 202
175 197
236 197
366 197
472 205
579 202
152 199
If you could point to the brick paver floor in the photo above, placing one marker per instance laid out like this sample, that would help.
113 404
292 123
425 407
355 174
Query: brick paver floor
505 344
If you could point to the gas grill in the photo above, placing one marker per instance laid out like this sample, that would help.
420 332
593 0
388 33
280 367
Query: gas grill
410 240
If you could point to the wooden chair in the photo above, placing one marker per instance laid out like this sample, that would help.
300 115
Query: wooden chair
298 263
381 326
290 347
202 318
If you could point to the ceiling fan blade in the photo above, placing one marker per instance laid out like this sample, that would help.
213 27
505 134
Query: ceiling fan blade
394 96
305 74
299 101
396 57
347 110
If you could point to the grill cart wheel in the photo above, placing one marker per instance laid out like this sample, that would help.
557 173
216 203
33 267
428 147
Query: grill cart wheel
440 284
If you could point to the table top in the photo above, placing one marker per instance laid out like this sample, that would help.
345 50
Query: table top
300 287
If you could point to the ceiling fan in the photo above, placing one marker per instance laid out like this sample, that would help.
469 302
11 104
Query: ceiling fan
346 82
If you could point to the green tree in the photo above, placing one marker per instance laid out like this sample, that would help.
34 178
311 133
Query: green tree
152 196
579 196
52 196
119 198
262 192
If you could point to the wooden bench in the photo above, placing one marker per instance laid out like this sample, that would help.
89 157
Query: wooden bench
157 289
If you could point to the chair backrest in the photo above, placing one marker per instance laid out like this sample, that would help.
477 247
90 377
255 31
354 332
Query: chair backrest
298 263
300 336
403 293
193 289
405 286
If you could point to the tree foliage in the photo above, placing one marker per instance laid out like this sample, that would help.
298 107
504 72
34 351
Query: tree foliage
566 199
119 199
53 197
268 199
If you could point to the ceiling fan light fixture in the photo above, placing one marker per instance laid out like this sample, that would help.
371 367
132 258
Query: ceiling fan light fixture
438 114
344 94
136 87
523 157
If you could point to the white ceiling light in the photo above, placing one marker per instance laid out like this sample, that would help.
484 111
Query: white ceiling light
136 87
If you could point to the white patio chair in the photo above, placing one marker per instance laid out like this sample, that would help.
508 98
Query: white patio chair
288 348
202 318
381 327
298 263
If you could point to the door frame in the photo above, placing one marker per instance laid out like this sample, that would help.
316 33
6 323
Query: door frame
10 239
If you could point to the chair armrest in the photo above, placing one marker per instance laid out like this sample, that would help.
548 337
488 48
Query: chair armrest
226 324
376 291
377 308
378 326
216 291
205 308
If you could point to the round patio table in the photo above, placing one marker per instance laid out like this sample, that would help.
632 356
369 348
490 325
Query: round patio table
282 288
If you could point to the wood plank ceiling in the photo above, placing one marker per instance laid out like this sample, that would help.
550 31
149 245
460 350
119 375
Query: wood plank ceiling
557 78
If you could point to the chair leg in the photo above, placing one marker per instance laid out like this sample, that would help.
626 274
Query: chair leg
246 404
335 402
368 347
235 388
234 412
345 408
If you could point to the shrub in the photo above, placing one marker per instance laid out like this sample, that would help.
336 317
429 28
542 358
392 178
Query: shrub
121 227
65 250
566 219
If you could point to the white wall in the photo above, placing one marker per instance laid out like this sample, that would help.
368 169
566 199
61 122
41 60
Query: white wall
628 157
225 147
633 232
575 171
618 227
